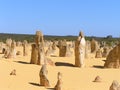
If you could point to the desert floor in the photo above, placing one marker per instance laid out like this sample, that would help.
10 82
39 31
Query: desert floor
27 75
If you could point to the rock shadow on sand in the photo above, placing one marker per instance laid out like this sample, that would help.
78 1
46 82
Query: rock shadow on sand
38 85
53 55
50 89
64 64
98 66
22 62
35 84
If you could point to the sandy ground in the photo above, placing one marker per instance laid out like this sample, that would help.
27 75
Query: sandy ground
74 78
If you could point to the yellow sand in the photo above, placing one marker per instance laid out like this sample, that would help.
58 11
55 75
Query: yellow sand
74 78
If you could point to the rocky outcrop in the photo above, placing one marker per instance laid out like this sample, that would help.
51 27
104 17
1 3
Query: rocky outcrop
113 58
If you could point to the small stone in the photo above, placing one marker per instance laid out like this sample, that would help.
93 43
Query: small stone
97 79
115 85
13 72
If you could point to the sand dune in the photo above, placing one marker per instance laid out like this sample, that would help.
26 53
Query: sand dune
27 75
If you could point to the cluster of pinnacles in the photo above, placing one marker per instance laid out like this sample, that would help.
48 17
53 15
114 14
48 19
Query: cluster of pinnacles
81 50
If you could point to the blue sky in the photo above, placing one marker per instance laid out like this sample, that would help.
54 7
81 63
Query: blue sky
61 17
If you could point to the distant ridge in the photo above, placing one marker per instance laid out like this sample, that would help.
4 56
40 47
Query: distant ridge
30 37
